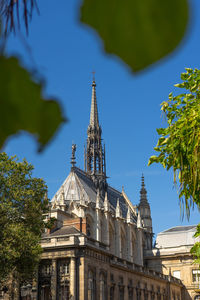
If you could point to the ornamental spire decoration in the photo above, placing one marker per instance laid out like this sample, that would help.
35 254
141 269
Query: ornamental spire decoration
73 158
143 193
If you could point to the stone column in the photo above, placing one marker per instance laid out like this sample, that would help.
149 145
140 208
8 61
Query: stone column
134 293
73 278
83 279
54 280
125 291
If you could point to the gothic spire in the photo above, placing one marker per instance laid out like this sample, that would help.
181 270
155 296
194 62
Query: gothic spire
95 153
94 120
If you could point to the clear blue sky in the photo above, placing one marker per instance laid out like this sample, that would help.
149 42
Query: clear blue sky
65 53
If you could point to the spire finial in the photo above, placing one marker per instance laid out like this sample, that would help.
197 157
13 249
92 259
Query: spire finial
128 216
73 158
94 121
106 203
118 210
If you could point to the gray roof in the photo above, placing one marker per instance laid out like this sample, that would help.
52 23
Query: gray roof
65 230
176 237
180 228
78 186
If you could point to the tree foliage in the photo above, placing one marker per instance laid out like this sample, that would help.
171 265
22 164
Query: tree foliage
22 203
23 106
138 32
178 146
195 250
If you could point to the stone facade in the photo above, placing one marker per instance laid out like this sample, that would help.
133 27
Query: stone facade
171 255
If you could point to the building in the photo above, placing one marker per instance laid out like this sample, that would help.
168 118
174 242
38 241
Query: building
96 249
171 255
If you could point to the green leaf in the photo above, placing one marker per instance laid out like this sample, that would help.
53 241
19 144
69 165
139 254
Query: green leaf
23 106
139 32
152 160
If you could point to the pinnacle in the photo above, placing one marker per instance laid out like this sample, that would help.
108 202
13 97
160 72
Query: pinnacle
143 192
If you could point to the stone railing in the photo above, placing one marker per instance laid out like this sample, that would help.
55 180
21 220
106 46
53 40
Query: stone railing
62 241
143 270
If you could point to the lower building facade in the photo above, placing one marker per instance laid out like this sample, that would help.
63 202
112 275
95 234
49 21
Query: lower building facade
78 267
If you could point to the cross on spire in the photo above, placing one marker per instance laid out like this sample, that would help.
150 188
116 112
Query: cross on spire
93 77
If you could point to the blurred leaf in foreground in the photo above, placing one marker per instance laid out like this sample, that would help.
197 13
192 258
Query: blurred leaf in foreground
22 105
140 32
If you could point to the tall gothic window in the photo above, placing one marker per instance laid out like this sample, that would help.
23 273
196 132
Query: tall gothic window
91 285
102 287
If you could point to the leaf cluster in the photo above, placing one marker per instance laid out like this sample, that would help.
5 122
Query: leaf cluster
23 106
195 250
138 32
22 204
178 146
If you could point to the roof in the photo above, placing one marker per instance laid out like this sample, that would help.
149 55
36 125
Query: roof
176 237
65 230
78 186
180 229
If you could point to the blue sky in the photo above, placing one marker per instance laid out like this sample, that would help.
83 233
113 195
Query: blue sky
65 53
